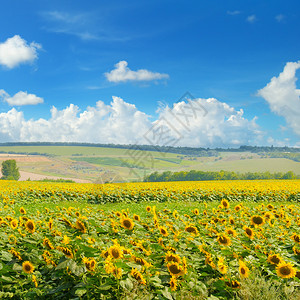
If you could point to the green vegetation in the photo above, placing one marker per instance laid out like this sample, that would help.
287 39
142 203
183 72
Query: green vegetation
292 156
10 170
194 175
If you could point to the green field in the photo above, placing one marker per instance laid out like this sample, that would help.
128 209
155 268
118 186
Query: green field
113 164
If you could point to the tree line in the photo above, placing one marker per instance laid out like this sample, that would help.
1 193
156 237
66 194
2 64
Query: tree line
194 175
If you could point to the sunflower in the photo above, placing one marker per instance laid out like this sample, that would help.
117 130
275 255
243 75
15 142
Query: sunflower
148 208
117 272
27 267
50 224
12 239
224 240
80 226
249 232
171 257
274 259
231 231
175 269
296 250
15 253
22 211
127 223
191 229
115 251
222 268
233 284
14 223
237 207
47 243
270 206
140 261
175 214
30 226
285 270
173 284
66 251
118 214
138 276
225 203
243 269
257 220
90 263
231 221
196 211
163 231
136 218
296 238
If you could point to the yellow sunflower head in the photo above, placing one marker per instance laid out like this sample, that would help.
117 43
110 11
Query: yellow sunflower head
27 267
173 283
136 218
138 276
249 232
163 231
30 226
274 259
171 257
175 269
196 211
80 226
243 269
224 240
225 203
285 270
296 238
14 223
22 211
257 220
191 229
231 231
127 223
115 251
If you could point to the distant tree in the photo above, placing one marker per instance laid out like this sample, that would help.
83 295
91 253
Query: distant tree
10 170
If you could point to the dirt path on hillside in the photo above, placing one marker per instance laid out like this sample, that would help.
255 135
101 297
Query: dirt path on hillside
34 176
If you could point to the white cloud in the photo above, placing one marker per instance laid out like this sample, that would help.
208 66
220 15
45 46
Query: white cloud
15 51
21 98
123 123
280 18
122 73
233 13
251 19
283 96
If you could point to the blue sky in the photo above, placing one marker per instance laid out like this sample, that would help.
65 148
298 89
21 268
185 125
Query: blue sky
72 54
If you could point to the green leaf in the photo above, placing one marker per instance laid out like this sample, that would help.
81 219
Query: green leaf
167 294
80 292
6 256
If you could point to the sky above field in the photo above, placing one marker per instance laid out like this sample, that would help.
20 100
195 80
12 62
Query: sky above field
180 73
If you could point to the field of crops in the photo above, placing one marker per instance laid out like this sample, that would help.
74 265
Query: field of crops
197 240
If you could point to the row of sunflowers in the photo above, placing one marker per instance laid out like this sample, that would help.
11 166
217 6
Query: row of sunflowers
89 252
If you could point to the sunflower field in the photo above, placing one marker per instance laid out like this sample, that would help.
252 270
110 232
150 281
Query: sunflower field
197 240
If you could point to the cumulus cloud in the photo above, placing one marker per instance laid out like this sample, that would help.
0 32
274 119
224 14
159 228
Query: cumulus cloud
20 98
251 19
283 96
122 73
200 122
15 51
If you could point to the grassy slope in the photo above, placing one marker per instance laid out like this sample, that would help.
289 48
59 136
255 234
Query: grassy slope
97 163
